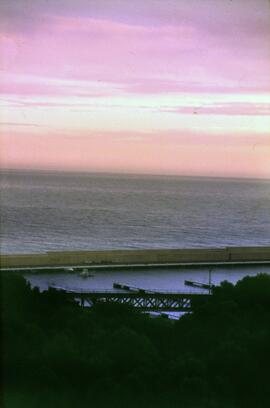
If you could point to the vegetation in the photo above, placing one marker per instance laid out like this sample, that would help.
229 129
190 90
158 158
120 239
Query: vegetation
56 354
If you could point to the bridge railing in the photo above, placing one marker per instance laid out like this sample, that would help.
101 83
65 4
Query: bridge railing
118 291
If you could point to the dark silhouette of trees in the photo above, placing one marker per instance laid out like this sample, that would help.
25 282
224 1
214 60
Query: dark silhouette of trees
55 353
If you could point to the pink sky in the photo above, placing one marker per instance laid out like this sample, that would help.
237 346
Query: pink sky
152 86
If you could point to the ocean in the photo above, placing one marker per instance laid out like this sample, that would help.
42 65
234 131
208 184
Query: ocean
45 211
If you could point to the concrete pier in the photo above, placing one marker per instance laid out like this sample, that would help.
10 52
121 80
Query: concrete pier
226 255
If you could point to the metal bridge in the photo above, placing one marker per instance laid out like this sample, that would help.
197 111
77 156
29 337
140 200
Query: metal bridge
144 301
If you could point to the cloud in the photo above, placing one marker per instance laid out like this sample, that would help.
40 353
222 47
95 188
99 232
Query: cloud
19 124
32 85
230 109
151 47
150 12
74 66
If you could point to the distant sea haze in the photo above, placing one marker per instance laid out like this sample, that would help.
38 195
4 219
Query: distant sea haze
45 211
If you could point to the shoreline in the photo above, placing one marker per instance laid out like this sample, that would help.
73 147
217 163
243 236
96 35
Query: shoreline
140 257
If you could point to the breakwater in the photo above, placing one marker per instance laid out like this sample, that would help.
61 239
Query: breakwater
133 257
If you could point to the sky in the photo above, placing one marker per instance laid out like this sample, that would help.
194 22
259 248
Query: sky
146 86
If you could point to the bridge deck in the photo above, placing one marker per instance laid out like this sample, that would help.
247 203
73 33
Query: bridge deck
145 301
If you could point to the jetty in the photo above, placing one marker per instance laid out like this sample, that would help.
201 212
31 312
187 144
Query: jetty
122 286
139 258
199 285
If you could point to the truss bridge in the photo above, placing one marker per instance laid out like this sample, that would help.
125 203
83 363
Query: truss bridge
144 301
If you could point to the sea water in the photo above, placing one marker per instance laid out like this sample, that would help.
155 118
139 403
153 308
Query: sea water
45 211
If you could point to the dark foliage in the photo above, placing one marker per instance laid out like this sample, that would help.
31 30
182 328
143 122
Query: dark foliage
55 353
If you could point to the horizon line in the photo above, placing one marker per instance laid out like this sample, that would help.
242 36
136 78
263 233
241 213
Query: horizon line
121 173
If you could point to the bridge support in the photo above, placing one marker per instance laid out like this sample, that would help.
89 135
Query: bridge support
143 301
